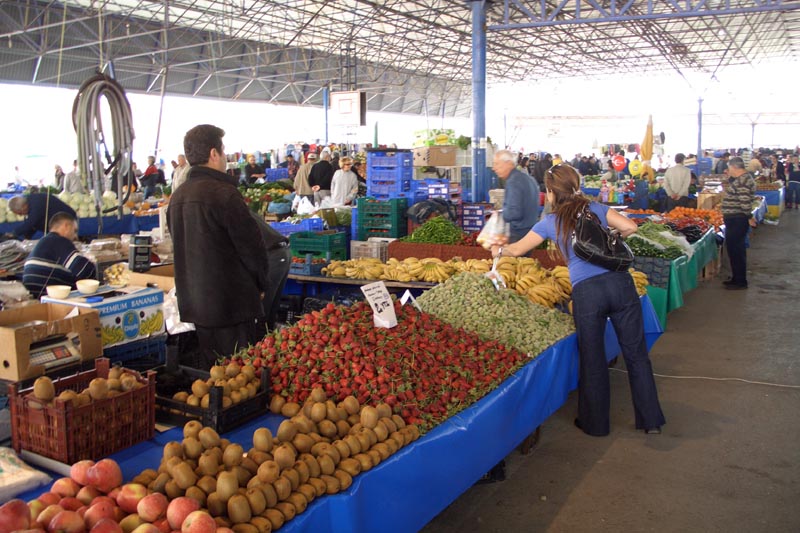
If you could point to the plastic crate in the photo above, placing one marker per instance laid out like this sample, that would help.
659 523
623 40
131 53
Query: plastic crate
389 174
481 209
376 249
307 224
139 355
96 430
387 158
394 233
368 206
179 378
354 223
306 266
319 244
276 174
388 186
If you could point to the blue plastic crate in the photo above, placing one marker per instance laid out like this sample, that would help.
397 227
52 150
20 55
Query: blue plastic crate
388 158
389 174
354 223
388 187
307 267
275 174
139 355
307 224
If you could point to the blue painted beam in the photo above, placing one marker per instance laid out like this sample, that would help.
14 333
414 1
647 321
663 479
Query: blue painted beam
479 189
539 14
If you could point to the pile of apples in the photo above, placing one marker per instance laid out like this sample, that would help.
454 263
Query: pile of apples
94 500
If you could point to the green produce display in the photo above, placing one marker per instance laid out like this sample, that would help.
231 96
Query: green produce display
643 248
437 230
470 301
663 235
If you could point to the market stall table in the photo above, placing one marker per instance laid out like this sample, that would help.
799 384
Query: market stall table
414 477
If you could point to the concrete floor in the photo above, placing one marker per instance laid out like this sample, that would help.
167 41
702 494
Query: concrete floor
729 457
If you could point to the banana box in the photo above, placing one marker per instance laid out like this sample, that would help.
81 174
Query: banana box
126 315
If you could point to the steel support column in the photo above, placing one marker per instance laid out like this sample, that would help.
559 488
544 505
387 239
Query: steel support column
325 104
699 128
479 182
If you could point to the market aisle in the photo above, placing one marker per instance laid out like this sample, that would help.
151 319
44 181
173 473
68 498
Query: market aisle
728 459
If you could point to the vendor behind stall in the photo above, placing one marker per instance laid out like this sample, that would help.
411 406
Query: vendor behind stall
38 207
54 260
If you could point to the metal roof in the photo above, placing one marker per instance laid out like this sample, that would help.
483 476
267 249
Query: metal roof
411 56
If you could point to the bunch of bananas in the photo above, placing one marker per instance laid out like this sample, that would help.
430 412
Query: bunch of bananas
640 280
430 269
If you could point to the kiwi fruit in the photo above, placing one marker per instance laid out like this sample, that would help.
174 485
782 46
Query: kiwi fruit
217 372
342 447
173 449
258 457
353 443
284 456
268 471
289 511
332 484
244 528
262 524
351 405
308 491
302 443
215 505
276 404
290 409
318 484
312 463
227 485
328 428
191 429
192 448
172 490
302 470
43 389
249 465
258 503
283 487
239 509
233 455
98 389
208 438
207 483
286 431
381 432
345 479
389 424
180 396
351 466
275 517
292 475
70 396
242 475
364 461
331 413
262 440
270 495
197 494
342 428
115 372
318 395
326 464
398 421
184 476
318 412
375 456
299 501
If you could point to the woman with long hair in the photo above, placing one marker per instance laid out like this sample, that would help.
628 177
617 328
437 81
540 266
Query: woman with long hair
597 295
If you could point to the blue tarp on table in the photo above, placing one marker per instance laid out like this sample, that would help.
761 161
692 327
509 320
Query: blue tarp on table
88 226
435 470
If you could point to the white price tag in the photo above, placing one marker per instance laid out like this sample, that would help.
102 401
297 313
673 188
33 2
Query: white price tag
381 303
408 296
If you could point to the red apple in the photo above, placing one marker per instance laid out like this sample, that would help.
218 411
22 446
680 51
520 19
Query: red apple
79 470
49 498
65 487
162 525
146 528
87 494
103 499
71 504
152 507
49 512
106 525
105 475
66 522
82 510
199 522
113 494
98 511
131 522
14 515
35 507
29 531
129 496
119 514
179 509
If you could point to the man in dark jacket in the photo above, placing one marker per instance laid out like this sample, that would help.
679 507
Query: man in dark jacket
39 208
521 198
220 254
320 178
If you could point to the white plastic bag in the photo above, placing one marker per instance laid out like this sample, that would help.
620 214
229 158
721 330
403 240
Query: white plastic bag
172 316
17 477
495 232
305 206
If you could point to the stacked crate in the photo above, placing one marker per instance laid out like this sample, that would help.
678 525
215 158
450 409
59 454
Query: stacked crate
444 190
382 218
473 216
311 250
390 174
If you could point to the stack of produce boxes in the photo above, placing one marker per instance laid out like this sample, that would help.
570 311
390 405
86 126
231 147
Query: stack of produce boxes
382 219
312 250
444 190
473 216
391 175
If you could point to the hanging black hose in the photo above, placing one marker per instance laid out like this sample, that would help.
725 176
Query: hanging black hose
92 145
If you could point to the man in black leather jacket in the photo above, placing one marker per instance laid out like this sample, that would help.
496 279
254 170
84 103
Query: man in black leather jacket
220 254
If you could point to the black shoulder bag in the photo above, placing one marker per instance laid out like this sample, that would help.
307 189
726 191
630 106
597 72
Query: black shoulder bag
593 242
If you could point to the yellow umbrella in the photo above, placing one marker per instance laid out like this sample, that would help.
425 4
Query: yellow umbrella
647 152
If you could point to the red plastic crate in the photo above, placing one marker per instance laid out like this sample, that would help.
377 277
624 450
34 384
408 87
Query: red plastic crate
96 430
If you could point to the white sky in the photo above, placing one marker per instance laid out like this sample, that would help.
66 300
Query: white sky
38 131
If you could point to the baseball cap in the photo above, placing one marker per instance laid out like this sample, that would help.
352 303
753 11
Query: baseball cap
312 155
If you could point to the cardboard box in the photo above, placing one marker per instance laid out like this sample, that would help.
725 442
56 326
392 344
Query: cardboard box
706 200
162 276
126 315
435 156
19 329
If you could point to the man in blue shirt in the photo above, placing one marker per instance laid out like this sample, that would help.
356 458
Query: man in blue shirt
521 200
54 260
39 208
